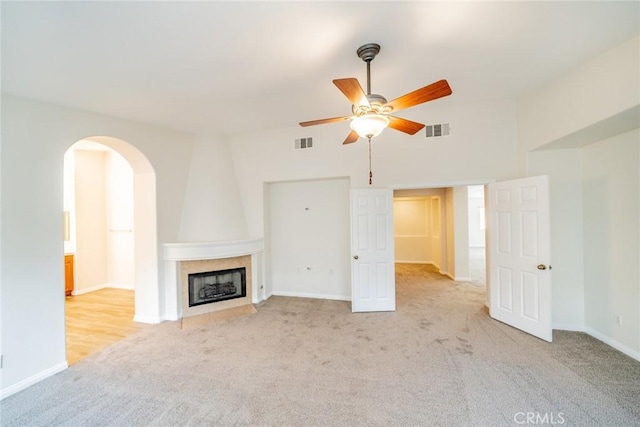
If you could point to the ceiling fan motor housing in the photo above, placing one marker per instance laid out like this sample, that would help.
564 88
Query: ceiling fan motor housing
376 106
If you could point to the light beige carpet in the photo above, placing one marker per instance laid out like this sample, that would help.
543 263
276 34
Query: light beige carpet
216 316
438 360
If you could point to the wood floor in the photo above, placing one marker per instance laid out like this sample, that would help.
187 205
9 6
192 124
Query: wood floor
98 319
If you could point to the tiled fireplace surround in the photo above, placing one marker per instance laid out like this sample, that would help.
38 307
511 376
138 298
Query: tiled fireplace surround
182 259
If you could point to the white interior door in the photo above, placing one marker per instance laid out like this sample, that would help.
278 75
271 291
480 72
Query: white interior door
373 284
519 253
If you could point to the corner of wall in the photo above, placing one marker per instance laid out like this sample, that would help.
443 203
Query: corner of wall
579 99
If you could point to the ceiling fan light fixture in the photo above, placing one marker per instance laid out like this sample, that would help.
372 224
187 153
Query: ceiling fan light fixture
369 125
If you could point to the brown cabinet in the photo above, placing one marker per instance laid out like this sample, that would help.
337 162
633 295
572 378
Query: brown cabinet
68 274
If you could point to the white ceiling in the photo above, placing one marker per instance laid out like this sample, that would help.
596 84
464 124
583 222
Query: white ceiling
231 67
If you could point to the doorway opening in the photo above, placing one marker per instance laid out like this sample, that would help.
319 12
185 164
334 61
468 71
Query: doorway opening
442 229
477 235
110 244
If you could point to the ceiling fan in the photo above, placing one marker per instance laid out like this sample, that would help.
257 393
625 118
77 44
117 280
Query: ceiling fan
371 112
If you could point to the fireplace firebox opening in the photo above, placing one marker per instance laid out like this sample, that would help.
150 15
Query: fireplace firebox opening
215 286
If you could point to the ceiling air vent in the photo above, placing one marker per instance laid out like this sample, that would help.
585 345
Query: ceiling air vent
442 129
303 143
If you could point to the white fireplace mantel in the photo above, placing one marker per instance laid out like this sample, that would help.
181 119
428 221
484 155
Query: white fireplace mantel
211 250
177 252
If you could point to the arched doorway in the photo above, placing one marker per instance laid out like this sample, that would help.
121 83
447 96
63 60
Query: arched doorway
130 237
147 295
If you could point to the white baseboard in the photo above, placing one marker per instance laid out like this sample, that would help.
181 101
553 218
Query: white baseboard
147 319
403 261
613 343
568 327
436 266
87 290
28 382
120 286
455 278
312 295
597 335
101 286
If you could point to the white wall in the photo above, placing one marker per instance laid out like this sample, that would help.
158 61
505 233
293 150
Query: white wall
589 97
440 232
212 210
119 221
482 147
460 234
91 220
450 251
612 238
35 137
564 168
309 239
436 225
411 227
69 199
104 254
457 235
595 103
600 89
476 216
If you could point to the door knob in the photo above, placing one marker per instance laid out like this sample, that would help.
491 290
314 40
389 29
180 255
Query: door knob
356 257
542 267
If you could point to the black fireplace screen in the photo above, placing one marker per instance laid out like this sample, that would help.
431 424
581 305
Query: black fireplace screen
214 286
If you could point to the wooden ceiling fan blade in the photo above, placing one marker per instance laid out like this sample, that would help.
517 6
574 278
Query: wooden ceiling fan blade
404 125
352 90
430 92
352 137
323 121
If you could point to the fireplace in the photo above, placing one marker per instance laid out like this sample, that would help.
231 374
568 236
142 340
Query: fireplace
214 286
183 259
200 294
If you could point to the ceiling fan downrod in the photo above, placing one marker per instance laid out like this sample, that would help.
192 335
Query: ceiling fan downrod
368 77
367 52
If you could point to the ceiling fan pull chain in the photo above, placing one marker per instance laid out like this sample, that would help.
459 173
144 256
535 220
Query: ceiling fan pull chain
370 173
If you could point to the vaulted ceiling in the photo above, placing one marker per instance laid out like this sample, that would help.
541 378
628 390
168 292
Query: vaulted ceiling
231 67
